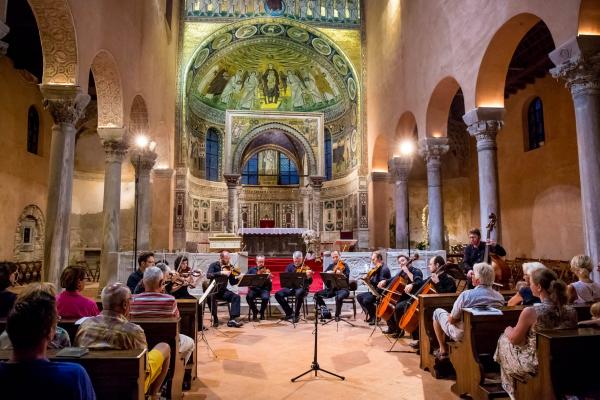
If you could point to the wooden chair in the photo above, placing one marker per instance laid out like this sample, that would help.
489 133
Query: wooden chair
351 299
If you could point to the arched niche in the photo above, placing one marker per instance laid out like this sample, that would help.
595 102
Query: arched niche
589 17
438 107
108 90
29 235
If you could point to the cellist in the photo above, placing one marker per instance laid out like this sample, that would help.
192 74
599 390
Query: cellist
378 272
414 278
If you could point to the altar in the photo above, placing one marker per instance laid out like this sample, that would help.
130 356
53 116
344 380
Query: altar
272 241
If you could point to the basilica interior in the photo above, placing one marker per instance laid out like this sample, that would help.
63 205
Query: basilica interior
271 126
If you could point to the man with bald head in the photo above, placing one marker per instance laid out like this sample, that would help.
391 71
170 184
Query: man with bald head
218 268
300 293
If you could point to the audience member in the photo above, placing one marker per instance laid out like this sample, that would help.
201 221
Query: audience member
29 374
61 337
70 302
482 295
144 260
585 290
111 330
595 321
524 295
8 277
516 351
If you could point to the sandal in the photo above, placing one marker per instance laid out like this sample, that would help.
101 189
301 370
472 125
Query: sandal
439 355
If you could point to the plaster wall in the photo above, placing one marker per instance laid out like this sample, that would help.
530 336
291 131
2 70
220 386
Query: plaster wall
23 176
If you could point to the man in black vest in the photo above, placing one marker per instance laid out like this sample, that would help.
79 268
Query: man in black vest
217 269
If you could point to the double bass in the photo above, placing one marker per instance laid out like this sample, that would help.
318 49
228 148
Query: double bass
394 292
501 270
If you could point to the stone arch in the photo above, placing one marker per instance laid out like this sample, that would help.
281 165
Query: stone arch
438 108
236 160
29 235
288 154
489 91
381 155
138 116
59 42
407 127
589 17
109 90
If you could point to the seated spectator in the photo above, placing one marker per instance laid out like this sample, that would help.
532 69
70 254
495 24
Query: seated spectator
111 330
29 374
482 295
71 303
8 277
595 321
144 260
585 290
61 337
516 350
524 295
139 288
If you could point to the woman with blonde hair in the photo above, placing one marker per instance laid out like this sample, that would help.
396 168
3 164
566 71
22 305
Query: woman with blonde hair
524 295
584 290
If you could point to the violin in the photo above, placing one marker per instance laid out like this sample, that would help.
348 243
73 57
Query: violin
394 292
235 271
339 267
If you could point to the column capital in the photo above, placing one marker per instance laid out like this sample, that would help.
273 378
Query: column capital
399 167
142 160
484 123
578 63
66 103
115 150
232 180
433 148
316 182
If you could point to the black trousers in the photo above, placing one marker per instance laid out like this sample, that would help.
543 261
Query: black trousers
367 302
254 293
339 295
300 294
230 297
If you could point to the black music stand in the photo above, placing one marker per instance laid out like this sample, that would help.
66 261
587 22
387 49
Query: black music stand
292 280
335 282
256 280
378 298
201 301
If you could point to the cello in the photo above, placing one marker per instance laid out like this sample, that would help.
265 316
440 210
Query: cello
395 291
501 270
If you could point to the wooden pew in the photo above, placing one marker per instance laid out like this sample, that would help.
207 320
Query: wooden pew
188 325
558 373
472 357
115 374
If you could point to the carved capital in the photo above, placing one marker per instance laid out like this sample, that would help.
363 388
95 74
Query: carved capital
432 149
484 123
232 180
578 63
142 160
115 150
66 103
399 167
316 182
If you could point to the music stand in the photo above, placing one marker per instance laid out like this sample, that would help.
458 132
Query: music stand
220 281
336 282
201 300
292 280
378 297
256 280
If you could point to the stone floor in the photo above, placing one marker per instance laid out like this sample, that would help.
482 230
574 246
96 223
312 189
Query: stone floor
258 361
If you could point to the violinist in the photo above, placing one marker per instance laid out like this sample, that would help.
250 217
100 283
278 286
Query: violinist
377 273
184 278
414 279
218 268
281 296
264 292
336 267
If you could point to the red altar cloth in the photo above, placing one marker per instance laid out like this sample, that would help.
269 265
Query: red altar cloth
277 265
266 223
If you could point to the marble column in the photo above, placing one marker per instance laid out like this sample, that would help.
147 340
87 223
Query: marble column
316 183
484 123
305 192
115 149
143 161
233 184
399 167
578 63
66 104
432 150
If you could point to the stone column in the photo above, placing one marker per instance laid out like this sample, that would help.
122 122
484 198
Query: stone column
578 63
66 104
432 150
399 167
305 192
115 149
484 123
233 183
316 182
4 29
143 161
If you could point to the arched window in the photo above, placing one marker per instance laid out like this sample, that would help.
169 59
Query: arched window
535 124
33 130
328 156
250 172
288 173
212 155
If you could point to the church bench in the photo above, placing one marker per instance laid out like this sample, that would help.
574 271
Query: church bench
115 374
565 365
188 325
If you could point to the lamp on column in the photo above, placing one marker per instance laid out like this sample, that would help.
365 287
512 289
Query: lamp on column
143 145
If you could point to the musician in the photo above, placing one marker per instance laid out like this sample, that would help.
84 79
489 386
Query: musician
475 251
414 278
300 293
379 272
264 292
218 269
328 292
